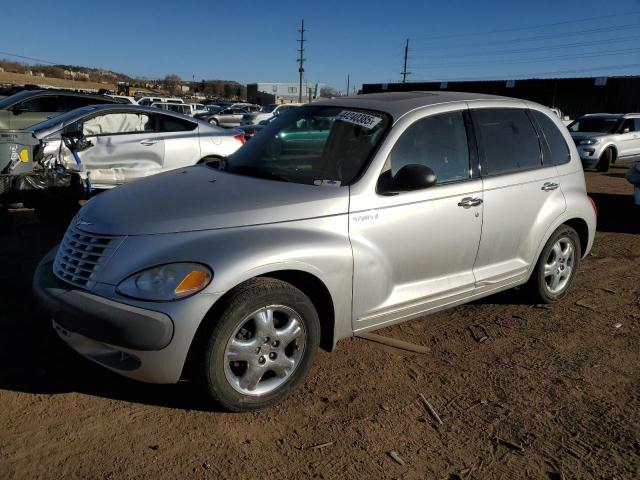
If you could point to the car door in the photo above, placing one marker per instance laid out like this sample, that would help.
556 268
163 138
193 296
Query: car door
629 138
35 110
181 141
126 147
414 251
522 195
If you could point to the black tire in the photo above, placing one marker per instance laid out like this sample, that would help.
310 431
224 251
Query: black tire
5 219
213 121
538 286
605 161
246 299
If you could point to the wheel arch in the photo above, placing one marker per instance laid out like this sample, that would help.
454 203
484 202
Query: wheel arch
309 284
582 229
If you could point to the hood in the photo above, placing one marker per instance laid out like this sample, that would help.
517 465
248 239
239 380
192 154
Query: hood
201 198
583 135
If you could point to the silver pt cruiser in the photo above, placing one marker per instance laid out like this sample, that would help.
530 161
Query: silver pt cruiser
339 218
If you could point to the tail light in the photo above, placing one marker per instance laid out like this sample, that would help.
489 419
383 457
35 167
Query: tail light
240 138
593 204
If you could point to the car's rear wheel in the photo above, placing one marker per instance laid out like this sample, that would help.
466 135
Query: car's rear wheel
261 346
605 161
556 267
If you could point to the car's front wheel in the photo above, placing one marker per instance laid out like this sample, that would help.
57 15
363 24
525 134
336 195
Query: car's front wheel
261 346
605 161
557 266
213 121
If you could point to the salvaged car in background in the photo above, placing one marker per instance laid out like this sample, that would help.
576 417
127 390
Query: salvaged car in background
606 139
106 146
266 112
29 107
339 218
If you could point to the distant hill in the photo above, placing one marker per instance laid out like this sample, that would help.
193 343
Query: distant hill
74 76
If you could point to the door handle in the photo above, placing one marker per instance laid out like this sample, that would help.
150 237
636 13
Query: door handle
148 143
468 202
548 186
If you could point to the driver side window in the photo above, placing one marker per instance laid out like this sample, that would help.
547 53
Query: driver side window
117 123
438 142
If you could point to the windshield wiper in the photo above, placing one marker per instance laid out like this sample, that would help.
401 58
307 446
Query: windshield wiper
254 171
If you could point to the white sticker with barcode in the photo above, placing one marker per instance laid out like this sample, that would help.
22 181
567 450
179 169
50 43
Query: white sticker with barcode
363 119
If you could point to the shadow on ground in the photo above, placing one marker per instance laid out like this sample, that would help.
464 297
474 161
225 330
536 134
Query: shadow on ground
616 213
34 359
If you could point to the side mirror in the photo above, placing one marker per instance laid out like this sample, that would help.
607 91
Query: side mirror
626 130
411 177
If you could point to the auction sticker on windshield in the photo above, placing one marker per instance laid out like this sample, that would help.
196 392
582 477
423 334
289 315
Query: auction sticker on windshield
357 118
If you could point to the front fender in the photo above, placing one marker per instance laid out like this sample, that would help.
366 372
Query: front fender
319 247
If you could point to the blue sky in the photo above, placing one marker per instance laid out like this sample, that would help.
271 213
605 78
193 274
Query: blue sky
256 41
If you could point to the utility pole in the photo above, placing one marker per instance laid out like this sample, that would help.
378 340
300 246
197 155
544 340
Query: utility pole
301 59
404 70
348 79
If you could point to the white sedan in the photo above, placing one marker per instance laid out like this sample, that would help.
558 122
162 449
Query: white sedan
115 144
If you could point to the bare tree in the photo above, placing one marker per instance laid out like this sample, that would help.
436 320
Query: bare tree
172 83
329 92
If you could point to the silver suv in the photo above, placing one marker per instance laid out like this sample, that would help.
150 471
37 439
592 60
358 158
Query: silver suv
341 217
604 139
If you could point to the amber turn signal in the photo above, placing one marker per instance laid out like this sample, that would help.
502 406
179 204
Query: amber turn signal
194 281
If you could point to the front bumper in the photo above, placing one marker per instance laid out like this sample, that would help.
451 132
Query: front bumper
140 343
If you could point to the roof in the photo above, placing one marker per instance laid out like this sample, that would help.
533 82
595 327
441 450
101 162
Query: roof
398 103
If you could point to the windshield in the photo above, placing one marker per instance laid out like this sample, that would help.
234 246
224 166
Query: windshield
595 124
315 145
268 108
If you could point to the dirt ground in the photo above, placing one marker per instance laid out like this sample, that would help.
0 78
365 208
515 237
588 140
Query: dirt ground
522 391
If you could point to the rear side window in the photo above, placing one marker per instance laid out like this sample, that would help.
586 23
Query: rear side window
508 140
636 122
172 124
438 142
557 150
48 103
628 126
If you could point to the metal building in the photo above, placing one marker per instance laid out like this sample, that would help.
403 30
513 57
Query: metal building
574 96
267 93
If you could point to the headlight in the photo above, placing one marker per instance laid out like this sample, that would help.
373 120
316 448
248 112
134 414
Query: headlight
166 282
589 141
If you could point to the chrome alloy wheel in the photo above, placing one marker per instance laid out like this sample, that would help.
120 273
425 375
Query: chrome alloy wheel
559 265
264 350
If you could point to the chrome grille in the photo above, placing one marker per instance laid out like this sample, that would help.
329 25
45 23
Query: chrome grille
81 256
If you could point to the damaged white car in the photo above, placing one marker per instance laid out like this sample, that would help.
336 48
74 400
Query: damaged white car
108 145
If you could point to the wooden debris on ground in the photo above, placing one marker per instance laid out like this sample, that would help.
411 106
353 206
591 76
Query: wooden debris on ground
479 333
509 444
395 343
393 454
430 409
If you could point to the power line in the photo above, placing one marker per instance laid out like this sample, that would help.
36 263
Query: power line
15 55
532 60
534 38
533 27
525 50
